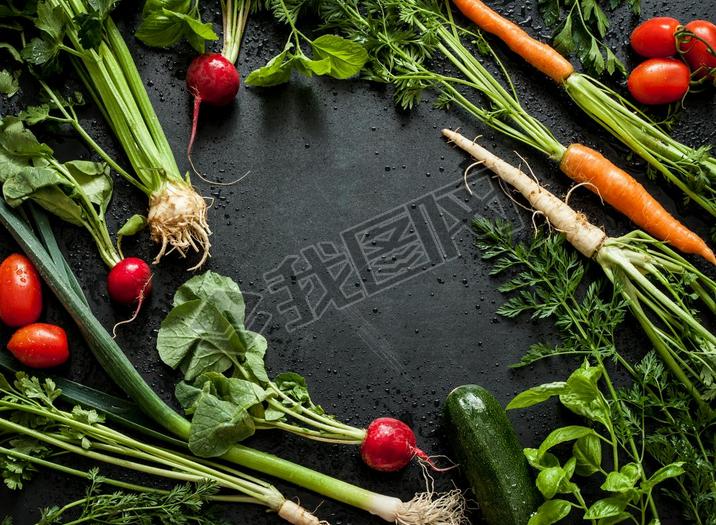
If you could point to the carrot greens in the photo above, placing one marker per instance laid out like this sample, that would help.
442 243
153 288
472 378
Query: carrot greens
643 440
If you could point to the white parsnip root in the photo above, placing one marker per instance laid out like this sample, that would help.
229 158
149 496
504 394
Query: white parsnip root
294 513
583 235
178 221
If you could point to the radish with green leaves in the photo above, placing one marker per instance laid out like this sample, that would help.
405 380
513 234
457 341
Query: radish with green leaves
211 78
229 395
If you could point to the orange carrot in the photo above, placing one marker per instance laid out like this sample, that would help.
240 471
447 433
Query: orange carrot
540 55
623 192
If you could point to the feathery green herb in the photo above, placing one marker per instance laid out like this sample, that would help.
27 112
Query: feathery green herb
580 28
655 416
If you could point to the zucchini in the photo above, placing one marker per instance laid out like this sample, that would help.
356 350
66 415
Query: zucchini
490 456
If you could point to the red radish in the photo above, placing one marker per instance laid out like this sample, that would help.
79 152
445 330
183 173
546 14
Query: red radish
211 78
389 445
20 291
654 38
40 345
130 281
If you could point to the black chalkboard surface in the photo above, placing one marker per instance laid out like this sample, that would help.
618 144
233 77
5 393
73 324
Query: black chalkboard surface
350 240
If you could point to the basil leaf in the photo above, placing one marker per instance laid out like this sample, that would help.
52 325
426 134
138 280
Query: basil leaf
583 396
536 395
606 508
587 450
672 470
549 480
345 58
550 512
562 435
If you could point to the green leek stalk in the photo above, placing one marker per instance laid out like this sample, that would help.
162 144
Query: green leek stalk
422 510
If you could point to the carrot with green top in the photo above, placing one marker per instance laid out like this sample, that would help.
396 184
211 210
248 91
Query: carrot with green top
692 170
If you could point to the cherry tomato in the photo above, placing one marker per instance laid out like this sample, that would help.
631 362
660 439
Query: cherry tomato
20 291
659 81
696 52
40 345
654 38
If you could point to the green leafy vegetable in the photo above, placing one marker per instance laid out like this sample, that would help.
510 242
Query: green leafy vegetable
9 84
655 413
334 56
76 191
581 26
166 22
204 335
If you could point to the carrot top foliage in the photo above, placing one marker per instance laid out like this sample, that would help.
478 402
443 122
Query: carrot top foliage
580 27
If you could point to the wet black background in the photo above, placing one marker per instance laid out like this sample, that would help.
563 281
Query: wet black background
325 156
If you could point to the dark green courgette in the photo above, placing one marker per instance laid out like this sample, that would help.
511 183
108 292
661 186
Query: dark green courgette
490 456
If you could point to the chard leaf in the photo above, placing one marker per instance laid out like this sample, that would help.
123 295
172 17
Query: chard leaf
345 58
217 425
9 84
276 71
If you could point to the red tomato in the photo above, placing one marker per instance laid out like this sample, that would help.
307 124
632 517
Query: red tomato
659 81
696 52
20 291
40 345
654 38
